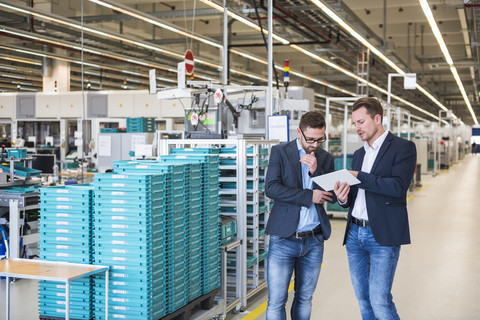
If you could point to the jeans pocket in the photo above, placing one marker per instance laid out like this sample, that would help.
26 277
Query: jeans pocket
319 238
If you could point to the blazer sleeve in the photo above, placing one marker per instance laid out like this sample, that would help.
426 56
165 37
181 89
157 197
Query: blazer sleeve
280 189
397 183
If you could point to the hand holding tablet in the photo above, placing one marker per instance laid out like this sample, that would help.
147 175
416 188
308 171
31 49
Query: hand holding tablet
327 181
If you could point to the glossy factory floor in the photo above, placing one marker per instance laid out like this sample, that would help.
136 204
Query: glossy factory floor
438 275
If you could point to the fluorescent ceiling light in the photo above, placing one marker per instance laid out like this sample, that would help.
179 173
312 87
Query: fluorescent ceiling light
74 24
153 20
14 77
8 68
21 61
356 35
327 62
433 24
243 20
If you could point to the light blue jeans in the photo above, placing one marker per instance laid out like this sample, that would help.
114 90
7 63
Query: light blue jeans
285 255
372 269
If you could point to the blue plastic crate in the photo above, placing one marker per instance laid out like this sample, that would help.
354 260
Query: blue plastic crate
19 153
65 257
78 286
114 260
21 170
130 178
118 235
61 219
139 230
81 231
77 198
195 150
60 313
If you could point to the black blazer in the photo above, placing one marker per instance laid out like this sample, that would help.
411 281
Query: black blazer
386 189
284 184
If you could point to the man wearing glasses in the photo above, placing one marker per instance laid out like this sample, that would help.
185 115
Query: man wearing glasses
298 223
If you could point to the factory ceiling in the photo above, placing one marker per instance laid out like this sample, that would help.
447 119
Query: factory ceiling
338 48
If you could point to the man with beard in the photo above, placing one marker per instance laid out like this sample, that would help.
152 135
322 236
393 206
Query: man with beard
377 220
298 223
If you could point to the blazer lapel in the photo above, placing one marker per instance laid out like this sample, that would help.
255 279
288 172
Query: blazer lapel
292 149
357 164
382 150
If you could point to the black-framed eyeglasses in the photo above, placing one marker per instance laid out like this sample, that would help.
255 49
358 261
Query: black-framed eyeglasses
312 141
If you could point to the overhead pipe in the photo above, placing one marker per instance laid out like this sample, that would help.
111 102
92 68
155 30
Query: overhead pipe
384 25
306 25
29 18
323 35
278 44
408 43
289 15
226 50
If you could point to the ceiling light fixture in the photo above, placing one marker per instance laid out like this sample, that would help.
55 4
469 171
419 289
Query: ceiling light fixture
152 47
220 8
332 65
356 35
142 16
243 20
433 25
21 61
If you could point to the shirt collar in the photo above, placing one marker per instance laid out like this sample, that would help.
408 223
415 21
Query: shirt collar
377 143
299 146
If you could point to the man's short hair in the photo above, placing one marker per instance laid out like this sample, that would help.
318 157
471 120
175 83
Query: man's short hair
312 119
372 105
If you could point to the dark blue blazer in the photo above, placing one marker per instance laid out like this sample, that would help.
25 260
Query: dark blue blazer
284 184
386 189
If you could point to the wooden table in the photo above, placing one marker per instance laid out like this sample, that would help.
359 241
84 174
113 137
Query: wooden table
51 271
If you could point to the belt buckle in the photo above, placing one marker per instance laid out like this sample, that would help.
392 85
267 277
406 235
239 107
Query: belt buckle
300 235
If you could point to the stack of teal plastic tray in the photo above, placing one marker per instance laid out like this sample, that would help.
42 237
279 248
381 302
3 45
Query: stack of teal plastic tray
193 222
175 226
209 237
66 234
130 218
210 265
140 124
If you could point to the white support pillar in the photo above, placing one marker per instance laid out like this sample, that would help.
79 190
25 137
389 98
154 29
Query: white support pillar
14 218
60 73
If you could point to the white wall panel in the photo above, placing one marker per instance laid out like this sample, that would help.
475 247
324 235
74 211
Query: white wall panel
120 104
47 105
175 108
146 105
71 105
7 105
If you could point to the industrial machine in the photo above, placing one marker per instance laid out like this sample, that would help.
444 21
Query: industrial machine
217 112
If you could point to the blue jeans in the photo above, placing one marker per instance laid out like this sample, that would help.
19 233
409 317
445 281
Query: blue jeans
284 256
372 269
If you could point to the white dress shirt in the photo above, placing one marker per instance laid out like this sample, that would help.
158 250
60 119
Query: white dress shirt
360 208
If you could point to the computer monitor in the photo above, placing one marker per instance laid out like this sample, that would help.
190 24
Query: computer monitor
207 125
44 162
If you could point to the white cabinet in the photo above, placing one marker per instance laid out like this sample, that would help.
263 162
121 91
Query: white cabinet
120 104
146 105
47 105
175 108
71 105
7 105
